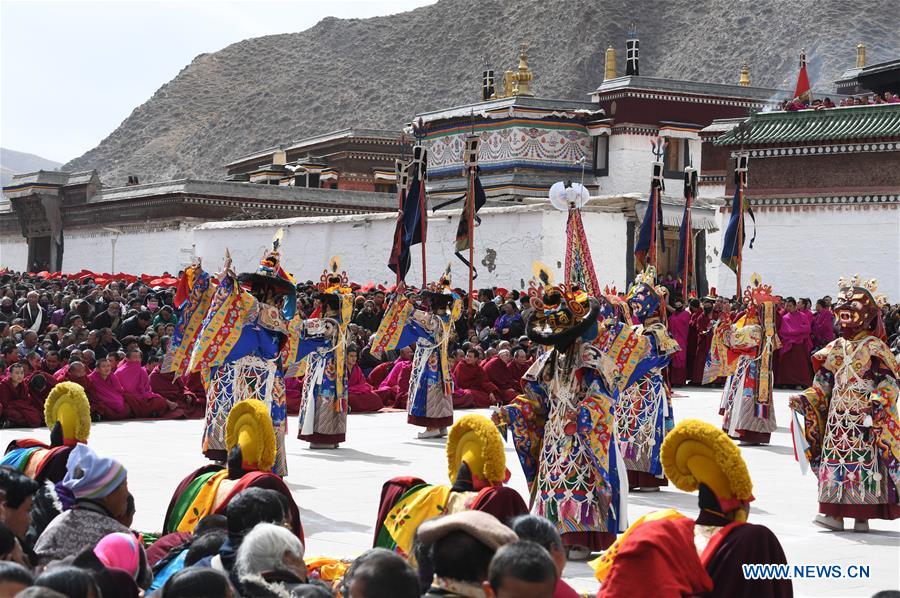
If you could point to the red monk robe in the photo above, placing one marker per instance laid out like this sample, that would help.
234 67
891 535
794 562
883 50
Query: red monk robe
394 389
19 410
143 402
172 388
361 396
517 368
700 326
679 327
106 396
379 373
473 387
293 394
659 558
499 373
793 365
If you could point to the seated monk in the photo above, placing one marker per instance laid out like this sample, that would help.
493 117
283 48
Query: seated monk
39 385
360 395
106 394
665 553
250 442
75 372
518 366
394 389
173 389
68 416
473 387
476 466
379 373
143 402
18 409
498 372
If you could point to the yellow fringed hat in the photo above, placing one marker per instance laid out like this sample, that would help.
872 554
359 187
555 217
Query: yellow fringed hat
249 426
696 453
475 440
68 404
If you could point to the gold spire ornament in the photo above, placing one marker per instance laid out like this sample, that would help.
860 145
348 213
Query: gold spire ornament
509 84
745 75
610 71
524 75
860 56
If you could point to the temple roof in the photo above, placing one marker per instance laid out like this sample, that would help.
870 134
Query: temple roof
639 84
835 124
514 104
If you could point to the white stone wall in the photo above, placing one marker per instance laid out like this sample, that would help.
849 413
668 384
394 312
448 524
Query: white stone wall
507 243
13 253
138 250
803 253
630 160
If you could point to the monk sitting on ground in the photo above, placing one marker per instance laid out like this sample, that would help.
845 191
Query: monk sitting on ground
17 409
361 396
498 371
172 388
473 387
143 402
394 389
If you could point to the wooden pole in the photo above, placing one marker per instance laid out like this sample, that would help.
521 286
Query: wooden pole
400 189
470 215
740 235
422 209
689 247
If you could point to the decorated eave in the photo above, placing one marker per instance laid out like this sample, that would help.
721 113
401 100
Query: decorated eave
657 88
880 123
48 181
372 135
511 107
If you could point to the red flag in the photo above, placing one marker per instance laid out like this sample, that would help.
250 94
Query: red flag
803 90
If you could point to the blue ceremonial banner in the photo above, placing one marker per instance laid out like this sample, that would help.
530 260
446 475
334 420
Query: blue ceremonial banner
733 244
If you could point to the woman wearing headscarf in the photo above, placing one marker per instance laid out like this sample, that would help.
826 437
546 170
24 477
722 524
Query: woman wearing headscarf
95 489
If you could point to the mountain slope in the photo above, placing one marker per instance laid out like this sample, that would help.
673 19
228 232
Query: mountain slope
379 72
13 162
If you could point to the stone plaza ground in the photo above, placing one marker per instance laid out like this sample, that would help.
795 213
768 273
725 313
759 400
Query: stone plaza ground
338 491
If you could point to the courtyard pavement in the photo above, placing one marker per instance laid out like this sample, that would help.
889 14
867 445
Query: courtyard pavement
338 491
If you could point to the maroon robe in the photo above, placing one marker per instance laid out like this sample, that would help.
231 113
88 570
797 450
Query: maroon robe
659 558
17 406
473 387
503 378
360 394
141 400
293 394
517 370
172 388
700 324
679 327
394 389
793 365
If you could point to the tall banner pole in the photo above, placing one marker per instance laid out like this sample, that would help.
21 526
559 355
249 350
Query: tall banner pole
422 207
471 161
741 171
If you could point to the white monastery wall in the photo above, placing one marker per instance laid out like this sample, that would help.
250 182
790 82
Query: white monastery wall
13 252
507 243
803 253
138 250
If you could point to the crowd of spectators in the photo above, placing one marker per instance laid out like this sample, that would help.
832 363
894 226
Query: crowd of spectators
112 337
888 97
89 550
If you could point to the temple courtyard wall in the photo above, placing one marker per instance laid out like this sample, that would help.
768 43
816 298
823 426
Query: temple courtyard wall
800 250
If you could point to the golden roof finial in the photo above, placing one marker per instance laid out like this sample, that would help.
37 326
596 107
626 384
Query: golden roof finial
509 84
860 56
745 74
610 70
524 75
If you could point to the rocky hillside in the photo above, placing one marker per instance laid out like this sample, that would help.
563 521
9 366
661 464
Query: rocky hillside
379 72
